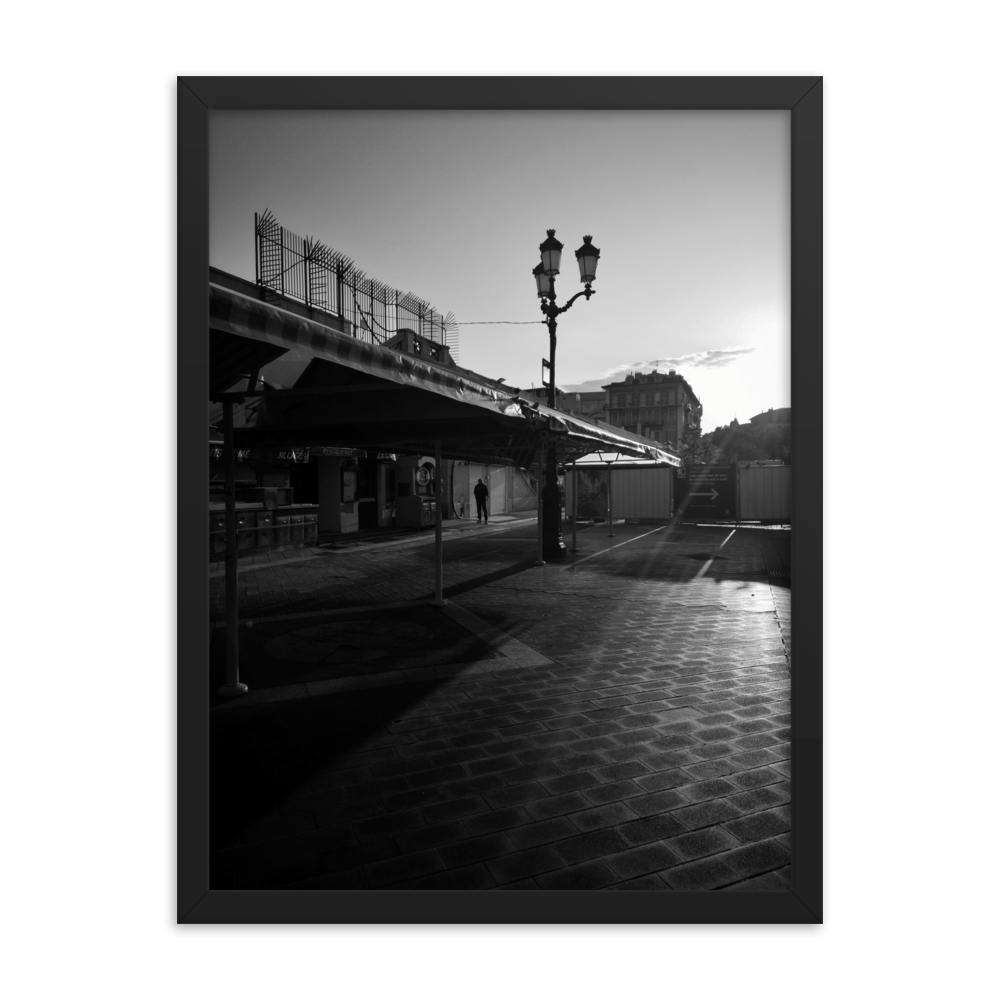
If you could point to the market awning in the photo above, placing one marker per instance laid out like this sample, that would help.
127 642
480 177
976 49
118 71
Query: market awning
368 396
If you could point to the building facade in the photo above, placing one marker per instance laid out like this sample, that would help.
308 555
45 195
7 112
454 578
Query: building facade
657 405
783 415
589 405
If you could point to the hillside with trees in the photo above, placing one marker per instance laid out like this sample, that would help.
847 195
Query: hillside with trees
747 443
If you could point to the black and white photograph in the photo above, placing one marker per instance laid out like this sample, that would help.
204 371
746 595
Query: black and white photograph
499 505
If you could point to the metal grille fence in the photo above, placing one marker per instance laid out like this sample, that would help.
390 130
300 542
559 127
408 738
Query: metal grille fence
303 268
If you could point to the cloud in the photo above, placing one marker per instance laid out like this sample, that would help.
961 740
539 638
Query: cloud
721 358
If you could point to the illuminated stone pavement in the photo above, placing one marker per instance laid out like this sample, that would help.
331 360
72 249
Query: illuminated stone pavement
620 721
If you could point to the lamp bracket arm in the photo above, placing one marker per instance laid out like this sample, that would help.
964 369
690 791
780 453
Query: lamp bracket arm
586 293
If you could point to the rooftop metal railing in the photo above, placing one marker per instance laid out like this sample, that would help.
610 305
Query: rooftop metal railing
305 269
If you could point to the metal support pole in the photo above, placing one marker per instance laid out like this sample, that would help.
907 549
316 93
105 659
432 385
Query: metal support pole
611 522
541 465
232 688
438 537
576 490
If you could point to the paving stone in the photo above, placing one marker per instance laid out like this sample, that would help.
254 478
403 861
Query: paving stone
454 808
782 789
550 739
642 860
772 881
591 875
586 846
602 816
707 813
418 749
702 843
708 751
711 789
502 763
471 877
353 879
757 741
402 869
591 744
515 794
643 831
425 837
763 856
663 779
544 753
527 883
499 819
617 791
717 718
706 874
617 772
544 832
656 802
557 805
645 882
386 826
570 782
757 799
531 772
635 736
356 856
438 775
759 826
581 762
660 761
470 786
599 729
478 849
458 755
524 864
711 768
756 778
400 801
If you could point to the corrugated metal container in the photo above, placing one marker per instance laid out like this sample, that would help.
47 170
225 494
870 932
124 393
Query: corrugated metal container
765 492
644 493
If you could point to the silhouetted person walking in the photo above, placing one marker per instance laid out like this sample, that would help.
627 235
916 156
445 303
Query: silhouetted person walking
481 493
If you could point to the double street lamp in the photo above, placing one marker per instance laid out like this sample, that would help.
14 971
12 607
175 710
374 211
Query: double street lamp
545 273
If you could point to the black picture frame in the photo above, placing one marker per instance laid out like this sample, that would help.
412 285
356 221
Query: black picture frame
196 97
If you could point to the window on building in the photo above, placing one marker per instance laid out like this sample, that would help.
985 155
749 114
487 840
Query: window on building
672 395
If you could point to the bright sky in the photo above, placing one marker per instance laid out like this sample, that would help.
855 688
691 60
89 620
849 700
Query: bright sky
689 209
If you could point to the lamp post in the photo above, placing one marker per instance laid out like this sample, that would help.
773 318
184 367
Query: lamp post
545 279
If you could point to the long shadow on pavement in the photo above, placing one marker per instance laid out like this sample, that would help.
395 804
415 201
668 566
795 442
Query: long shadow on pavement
262 753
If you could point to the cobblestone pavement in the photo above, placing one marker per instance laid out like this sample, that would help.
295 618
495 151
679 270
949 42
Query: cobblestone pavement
637 738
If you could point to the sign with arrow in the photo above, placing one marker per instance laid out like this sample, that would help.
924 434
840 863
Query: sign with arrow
707 492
